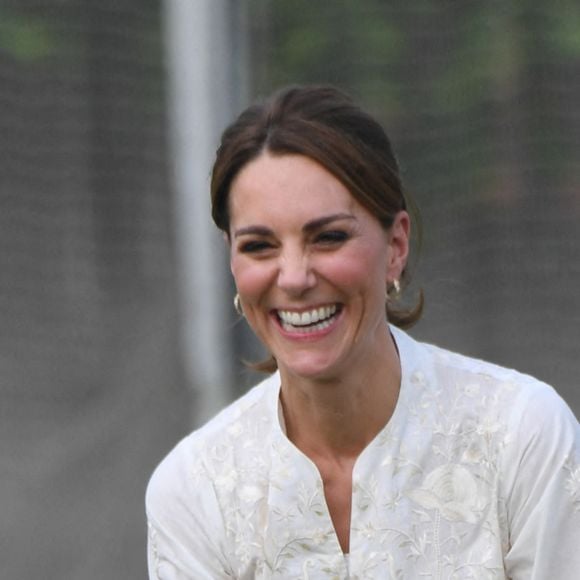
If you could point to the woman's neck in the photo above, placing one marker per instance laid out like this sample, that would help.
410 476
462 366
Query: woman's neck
336 419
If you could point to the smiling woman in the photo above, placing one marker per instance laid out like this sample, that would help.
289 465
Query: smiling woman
302 246
365 453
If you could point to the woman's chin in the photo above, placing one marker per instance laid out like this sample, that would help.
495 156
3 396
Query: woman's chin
310 367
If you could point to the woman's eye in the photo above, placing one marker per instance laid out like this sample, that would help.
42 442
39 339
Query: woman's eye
332 237
254 246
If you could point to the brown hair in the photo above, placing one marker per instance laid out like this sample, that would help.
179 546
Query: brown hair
324 124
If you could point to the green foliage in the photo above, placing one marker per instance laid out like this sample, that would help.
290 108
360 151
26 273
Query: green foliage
566 30
26 38
341 42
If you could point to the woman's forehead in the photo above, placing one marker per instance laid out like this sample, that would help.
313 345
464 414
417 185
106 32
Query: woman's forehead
288 184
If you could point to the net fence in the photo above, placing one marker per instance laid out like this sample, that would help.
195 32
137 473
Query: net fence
91 392
482 101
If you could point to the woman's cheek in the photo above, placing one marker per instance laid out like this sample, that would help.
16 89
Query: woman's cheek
351 268
251 278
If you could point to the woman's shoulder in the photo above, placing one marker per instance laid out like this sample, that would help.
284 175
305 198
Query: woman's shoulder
451 369
494 382
260 401
470 387
236 432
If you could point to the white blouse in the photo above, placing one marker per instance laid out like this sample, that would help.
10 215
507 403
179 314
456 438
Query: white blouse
476 475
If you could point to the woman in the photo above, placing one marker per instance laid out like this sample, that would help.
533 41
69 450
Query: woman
365 454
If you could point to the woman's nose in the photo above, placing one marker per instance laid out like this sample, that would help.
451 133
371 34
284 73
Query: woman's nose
295 274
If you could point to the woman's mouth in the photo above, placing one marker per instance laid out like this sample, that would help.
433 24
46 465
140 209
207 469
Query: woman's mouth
308 321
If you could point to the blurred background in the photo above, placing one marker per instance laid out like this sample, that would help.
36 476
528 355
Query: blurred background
117 332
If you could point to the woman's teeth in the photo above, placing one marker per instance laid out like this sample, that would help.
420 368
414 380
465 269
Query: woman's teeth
310 321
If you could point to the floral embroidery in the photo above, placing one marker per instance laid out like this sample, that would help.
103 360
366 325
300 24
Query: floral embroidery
452 490
572 482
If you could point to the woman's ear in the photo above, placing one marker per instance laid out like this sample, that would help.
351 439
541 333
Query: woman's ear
399 236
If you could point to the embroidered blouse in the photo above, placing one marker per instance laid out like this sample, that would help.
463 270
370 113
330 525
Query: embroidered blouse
476 475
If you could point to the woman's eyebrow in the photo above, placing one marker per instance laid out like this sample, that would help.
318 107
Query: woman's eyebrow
308 227
325 220
253 230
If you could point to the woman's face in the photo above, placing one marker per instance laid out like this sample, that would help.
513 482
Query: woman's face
311 265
